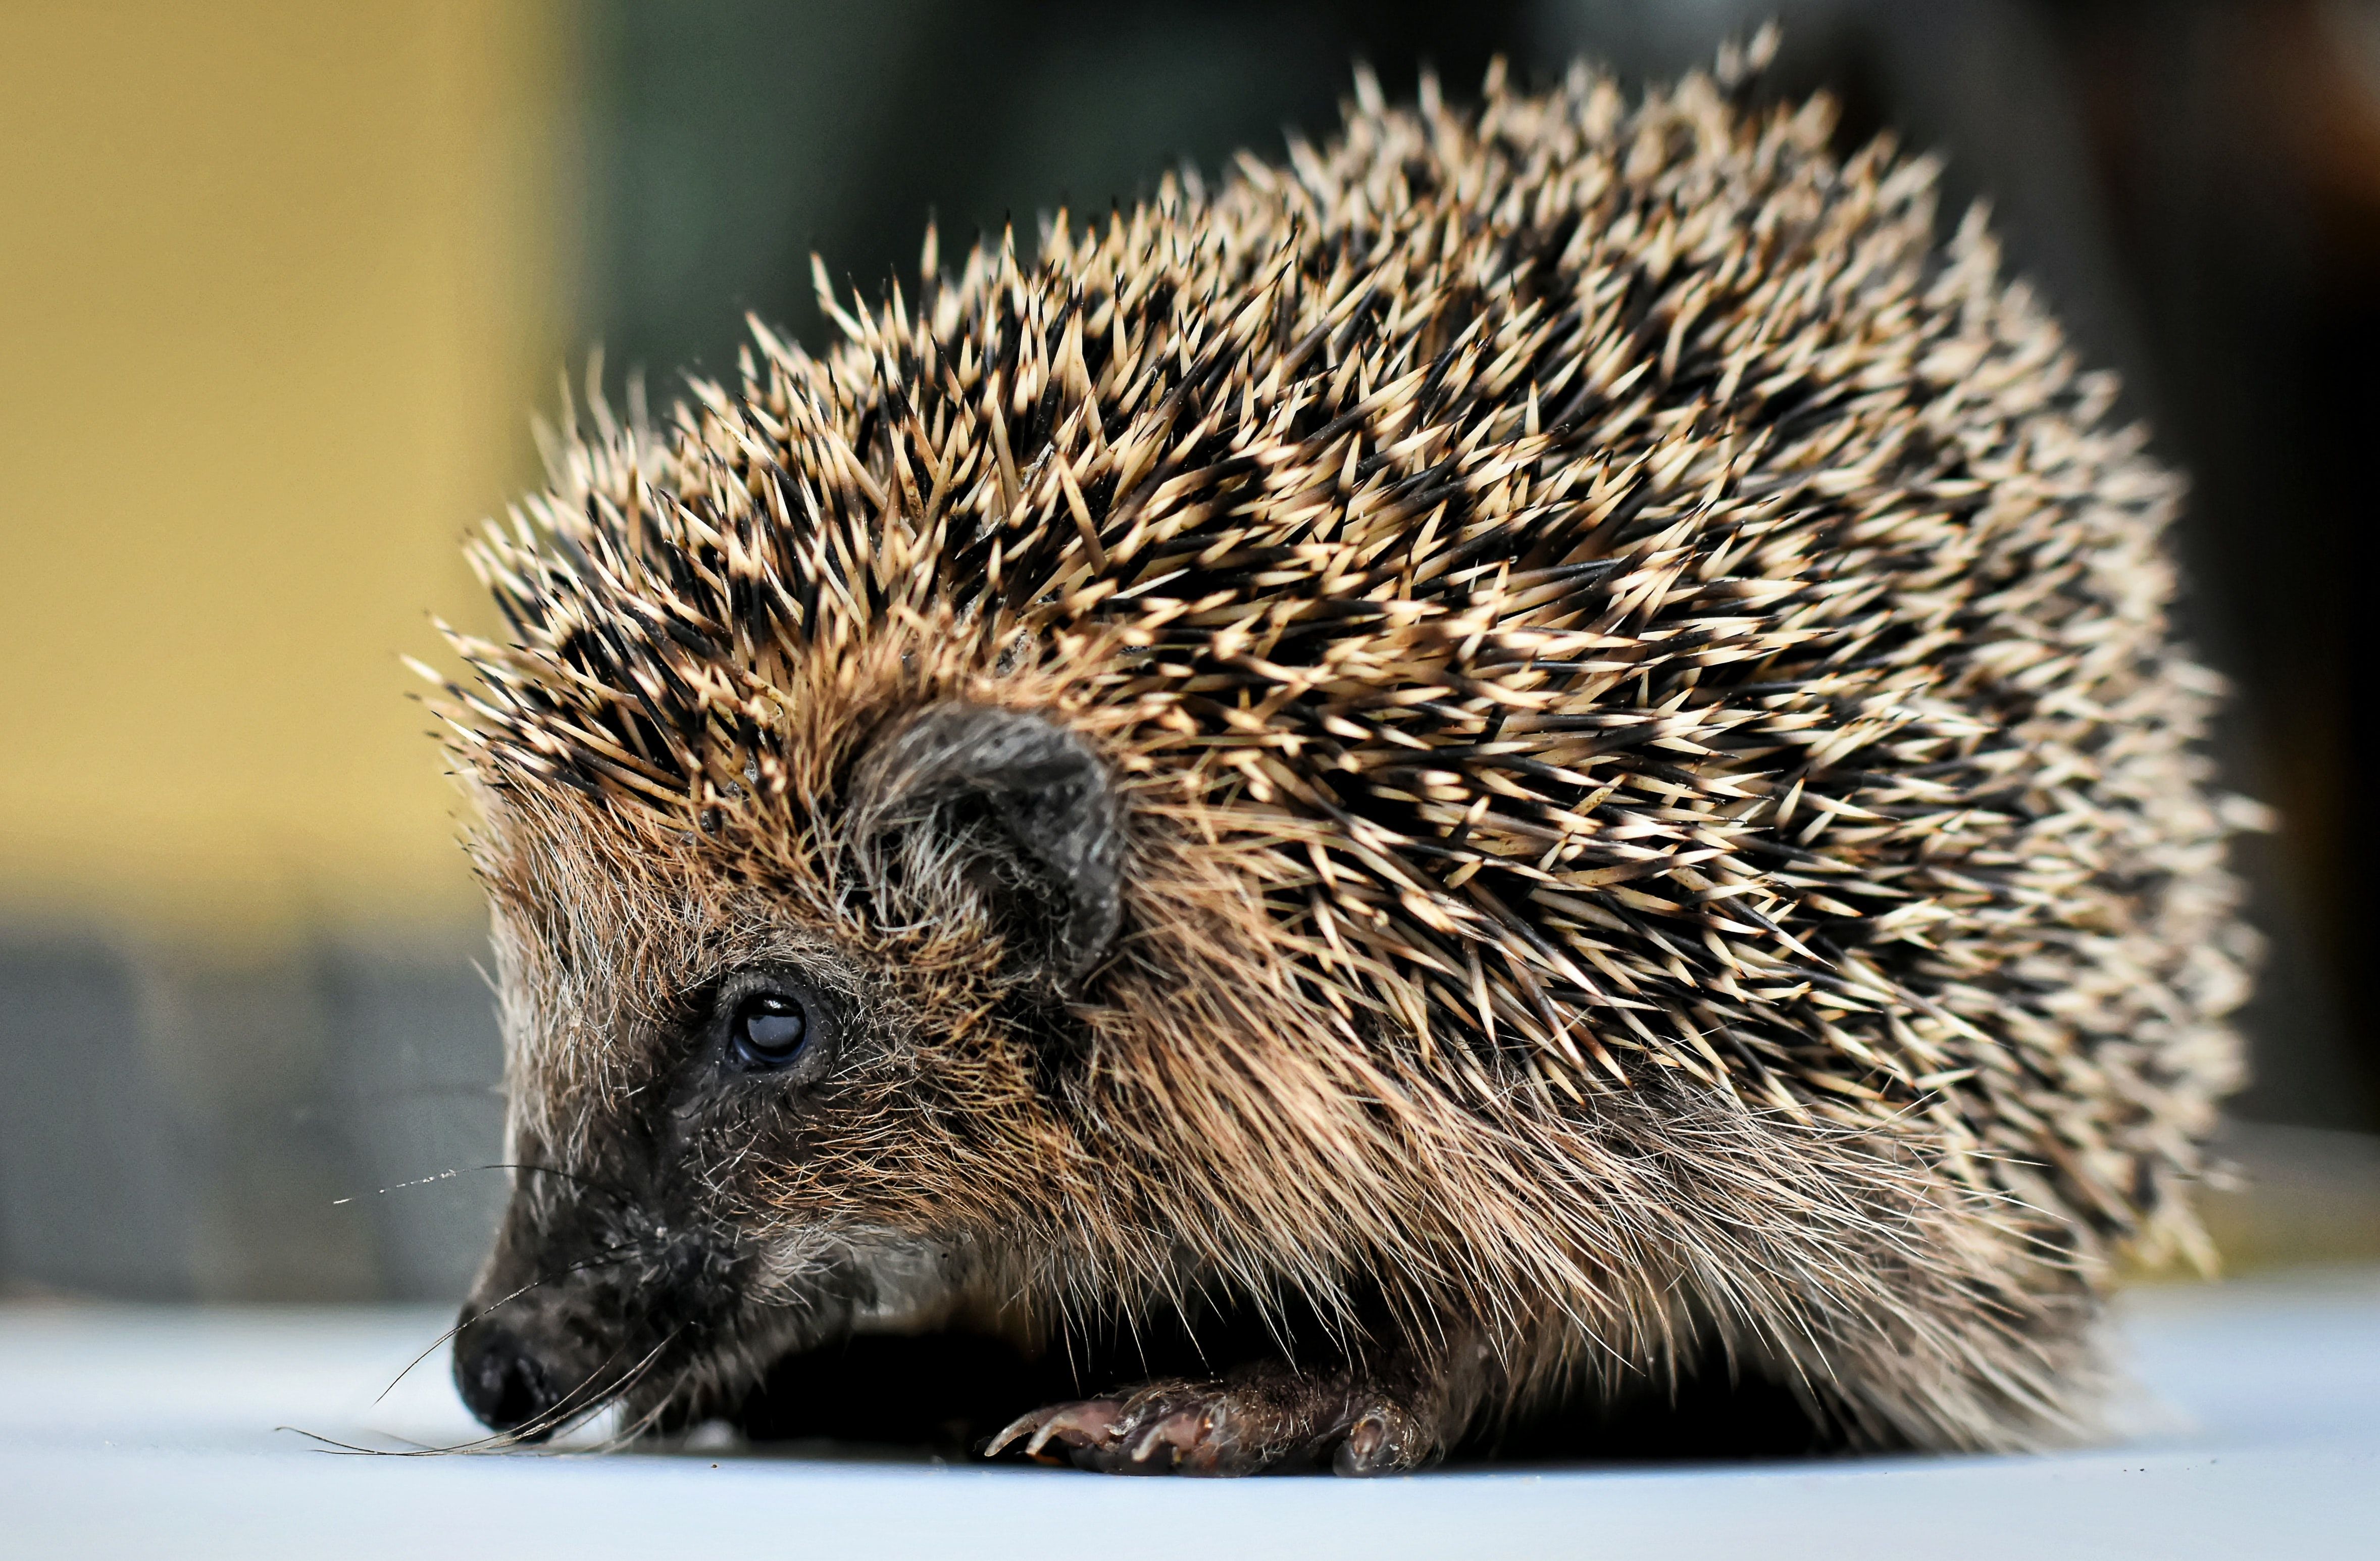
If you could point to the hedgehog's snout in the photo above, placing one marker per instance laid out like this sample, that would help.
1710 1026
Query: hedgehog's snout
504 1381
530 1367
575 1307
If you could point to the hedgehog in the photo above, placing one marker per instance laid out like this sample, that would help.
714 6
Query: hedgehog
1529 763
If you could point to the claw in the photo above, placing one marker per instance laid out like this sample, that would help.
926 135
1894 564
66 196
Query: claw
1077 1425
1179 1431
1371 1445
1013 1430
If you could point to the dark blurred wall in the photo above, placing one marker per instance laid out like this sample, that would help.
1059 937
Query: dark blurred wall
2237 150
730 140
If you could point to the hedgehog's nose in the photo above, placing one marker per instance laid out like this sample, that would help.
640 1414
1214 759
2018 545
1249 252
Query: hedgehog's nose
503 1381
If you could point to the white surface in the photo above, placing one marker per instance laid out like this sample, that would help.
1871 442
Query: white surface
150 1432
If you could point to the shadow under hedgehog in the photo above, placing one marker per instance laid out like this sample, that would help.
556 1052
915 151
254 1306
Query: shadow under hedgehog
1527 765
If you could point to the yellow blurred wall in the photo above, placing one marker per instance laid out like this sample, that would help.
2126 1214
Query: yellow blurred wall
279 285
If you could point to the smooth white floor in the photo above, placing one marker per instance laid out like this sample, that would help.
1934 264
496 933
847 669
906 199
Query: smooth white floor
146 1433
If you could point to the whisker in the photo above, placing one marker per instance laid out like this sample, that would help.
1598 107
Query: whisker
562 1414
460 1324
630 1432
619 1194
616 1254
557 1419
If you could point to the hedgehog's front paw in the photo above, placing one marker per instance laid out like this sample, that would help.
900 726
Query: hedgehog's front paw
1166 1427
1246 1422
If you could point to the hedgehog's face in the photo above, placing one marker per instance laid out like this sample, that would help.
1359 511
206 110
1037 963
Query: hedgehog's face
750 1118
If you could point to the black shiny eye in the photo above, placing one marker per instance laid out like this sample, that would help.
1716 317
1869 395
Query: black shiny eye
769 1029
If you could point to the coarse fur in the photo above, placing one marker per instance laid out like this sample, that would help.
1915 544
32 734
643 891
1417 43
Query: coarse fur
1540 749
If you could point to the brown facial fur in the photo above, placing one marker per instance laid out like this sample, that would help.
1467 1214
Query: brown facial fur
1656 808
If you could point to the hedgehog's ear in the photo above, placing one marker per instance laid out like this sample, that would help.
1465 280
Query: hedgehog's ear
1021 786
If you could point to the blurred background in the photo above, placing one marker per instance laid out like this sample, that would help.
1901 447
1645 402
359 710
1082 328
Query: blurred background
281 284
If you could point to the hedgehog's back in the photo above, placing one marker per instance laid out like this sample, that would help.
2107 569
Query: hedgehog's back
1631 604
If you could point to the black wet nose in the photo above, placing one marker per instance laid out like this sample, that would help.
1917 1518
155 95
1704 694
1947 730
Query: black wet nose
503 1381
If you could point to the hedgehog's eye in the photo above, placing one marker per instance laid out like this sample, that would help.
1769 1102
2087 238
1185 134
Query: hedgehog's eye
769 1029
